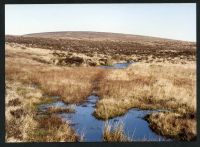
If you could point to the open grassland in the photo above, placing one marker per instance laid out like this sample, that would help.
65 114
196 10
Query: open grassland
164 77
73 85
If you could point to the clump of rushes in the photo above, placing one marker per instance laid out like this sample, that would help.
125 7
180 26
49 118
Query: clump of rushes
115 133
181 127
52 129
60 110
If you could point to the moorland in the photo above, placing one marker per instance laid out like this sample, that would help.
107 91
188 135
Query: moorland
69 65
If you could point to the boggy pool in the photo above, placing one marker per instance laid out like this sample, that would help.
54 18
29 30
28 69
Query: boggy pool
118 65
91 128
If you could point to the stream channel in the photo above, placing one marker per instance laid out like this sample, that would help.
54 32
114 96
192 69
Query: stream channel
85 123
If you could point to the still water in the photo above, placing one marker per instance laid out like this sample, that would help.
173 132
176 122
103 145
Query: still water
91 128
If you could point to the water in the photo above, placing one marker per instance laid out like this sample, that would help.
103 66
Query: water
85 123
60 104
118 65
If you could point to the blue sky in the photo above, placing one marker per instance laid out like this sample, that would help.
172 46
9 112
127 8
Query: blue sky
175 21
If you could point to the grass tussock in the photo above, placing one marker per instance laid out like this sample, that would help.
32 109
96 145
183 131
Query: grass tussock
52 129
115 133
174 125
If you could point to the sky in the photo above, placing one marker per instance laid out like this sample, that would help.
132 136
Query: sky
174 21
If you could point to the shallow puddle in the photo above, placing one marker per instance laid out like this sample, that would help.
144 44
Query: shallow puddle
85 123
118 65
92 129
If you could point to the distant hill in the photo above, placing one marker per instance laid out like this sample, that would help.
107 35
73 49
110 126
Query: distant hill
113 44
98 36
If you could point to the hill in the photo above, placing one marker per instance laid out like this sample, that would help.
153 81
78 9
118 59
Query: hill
96 36
118 46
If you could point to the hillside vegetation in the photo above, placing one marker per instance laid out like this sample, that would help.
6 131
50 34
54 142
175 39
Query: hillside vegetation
112 46
39 66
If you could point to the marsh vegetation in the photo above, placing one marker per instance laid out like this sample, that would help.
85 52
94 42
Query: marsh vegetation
42 70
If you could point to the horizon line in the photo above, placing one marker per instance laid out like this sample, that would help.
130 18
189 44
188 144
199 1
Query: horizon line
102 32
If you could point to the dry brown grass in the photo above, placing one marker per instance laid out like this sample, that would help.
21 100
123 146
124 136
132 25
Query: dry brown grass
72 84
19 118
157 86
174 125
115 133
143 85
152 86
52 129
24 124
